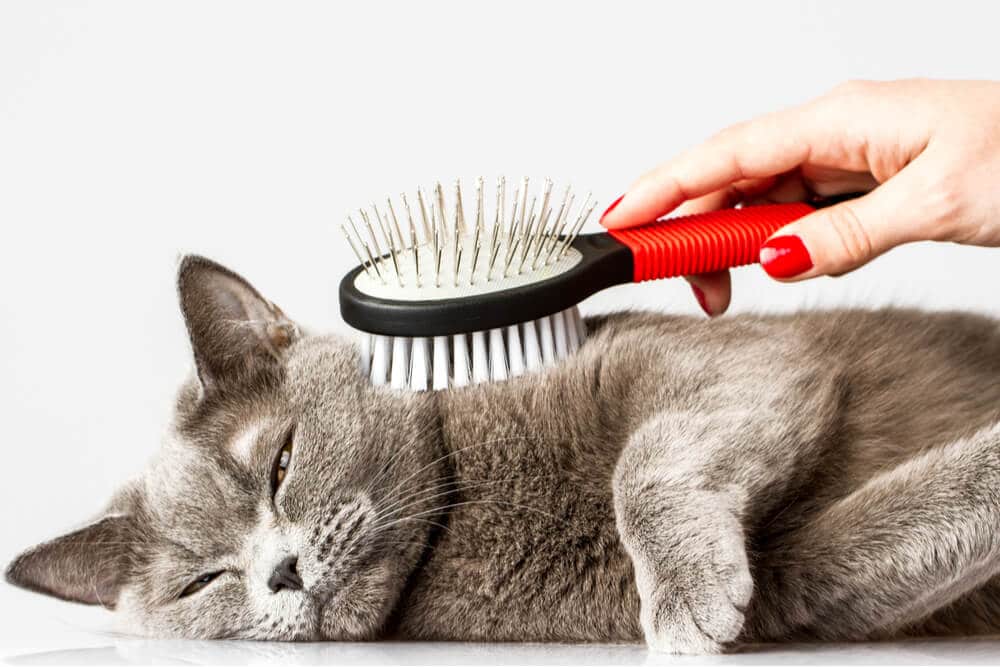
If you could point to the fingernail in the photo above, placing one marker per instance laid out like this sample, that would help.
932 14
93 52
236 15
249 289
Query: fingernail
702 301
785 257
612 207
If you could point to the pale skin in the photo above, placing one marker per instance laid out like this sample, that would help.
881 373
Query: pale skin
927 153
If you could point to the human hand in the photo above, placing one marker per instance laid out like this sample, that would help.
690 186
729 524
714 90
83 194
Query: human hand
926 152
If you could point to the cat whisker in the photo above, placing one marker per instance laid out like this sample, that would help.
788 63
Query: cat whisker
430 522
449 454
401 485
407 543
424 467
422 546
463 503
458 486
405 501
444 482
331 555
396 455
432 485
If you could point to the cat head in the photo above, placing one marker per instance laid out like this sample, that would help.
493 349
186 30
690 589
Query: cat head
285 501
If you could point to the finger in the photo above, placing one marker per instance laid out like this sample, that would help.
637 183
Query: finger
761 148
827 181
727 197
787 188
806 183
835 240
712 290
713 201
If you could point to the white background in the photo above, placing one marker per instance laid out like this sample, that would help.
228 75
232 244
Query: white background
132 132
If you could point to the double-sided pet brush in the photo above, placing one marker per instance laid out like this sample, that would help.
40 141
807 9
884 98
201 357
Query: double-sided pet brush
449 305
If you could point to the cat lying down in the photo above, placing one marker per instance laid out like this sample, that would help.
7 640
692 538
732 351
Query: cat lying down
689 483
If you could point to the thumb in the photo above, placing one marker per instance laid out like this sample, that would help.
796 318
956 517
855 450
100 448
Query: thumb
843 237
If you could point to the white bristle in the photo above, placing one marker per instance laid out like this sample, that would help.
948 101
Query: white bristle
515 353
480 358
441 367
381 358
572 332
581 328
456 361
498 356
559 335
432 248
532 348
366 355
399 375
460 348
545 338
419 364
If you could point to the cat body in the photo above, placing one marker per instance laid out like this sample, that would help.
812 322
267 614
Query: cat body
815 407
691 483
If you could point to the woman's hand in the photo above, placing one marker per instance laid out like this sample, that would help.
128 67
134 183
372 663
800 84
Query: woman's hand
926 152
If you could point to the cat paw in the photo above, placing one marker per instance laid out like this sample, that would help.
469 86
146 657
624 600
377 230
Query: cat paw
699 606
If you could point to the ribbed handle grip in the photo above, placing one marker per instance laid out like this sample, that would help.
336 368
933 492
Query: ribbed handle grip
705 242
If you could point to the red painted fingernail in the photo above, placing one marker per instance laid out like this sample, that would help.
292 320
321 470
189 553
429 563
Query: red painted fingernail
785 257
702 301
612 207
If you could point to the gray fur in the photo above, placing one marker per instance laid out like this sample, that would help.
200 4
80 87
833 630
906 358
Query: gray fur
694 483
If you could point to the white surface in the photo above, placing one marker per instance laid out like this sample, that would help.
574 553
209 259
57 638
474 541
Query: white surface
75 635
136 652
131 132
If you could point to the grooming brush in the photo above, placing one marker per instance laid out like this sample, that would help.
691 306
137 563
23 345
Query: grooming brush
450 299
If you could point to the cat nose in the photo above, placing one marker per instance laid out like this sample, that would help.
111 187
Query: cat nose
285 576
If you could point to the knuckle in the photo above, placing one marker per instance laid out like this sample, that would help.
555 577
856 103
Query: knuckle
856 243
731 134
948 198
944 205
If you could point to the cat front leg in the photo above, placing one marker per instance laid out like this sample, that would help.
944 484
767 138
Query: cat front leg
690 565
684 488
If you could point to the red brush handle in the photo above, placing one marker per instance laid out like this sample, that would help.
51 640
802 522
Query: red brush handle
705 242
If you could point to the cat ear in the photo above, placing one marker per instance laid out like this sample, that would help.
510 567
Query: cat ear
235 332
88 565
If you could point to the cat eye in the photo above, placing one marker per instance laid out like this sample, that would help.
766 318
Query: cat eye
199 583
281 463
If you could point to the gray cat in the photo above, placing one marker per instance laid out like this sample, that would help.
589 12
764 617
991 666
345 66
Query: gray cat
693 483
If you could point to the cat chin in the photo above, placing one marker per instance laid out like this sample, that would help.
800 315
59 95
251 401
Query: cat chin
127 620
360 610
